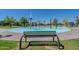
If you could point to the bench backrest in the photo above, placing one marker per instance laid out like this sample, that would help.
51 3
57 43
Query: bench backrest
39 33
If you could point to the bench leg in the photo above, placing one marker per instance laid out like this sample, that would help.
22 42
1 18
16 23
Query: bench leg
58 41
60 46
53 38
20 43
25 39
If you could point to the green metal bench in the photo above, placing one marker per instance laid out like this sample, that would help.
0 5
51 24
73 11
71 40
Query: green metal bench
41 34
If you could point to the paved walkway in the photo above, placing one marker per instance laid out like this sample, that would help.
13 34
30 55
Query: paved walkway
74 33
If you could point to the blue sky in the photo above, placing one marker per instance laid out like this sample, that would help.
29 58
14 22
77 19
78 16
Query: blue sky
41 14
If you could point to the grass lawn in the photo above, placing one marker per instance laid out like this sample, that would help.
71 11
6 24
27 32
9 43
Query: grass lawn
13 45
7 45
71 44
5 27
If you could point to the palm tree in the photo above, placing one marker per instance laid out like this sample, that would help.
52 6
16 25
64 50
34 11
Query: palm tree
17 23
12 21
77 21
2 22
54 22
9 21
65 22
23 21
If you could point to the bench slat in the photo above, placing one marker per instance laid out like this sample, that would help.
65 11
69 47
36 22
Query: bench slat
40 33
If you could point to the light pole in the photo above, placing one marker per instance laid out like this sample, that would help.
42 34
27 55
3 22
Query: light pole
30 18
50 23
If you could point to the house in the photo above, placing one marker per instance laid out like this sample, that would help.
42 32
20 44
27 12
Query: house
72 24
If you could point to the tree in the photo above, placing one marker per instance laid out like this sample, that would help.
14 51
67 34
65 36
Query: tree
54 22
9 21
77 21
12 21
23 21
65 22
2 22
17 23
